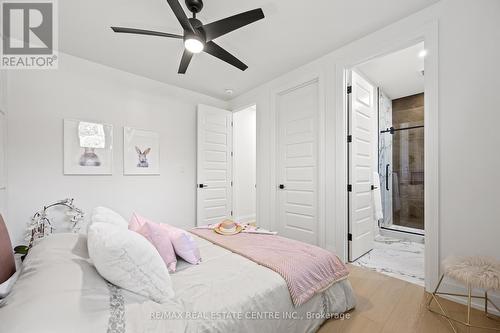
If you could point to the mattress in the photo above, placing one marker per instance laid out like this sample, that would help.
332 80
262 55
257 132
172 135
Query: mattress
59 290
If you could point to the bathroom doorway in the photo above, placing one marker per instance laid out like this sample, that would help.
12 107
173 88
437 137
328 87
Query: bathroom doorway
245 165
386 164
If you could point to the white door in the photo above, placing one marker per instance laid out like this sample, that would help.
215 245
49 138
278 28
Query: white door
214 165
297 171
244 165
362 112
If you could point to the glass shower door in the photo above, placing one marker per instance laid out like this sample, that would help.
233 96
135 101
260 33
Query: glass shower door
408 176
401 167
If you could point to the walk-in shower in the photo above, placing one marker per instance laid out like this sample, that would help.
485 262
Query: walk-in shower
401 162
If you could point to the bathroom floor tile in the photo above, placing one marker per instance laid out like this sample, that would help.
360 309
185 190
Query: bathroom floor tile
401 259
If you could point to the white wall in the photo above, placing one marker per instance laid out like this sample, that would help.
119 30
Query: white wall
469 77
469 119
244 164
38 102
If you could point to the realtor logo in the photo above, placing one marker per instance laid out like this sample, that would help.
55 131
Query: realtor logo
29 37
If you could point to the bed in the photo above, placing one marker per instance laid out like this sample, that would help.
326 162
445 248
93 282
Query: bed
59 290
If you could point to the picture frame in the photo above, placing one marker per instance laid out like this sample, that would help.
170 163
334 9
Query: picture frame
88 148
141 152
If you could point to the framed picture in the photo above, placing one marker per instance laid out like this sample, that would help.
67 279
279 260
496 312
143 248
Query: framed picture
88 148
141 152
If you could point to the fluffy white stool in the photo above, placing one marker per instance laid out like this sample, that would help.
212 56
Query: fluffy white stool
474 272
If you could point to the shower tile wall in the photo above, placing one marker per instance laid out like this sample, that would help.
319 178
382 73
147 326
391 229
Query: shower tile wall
408 162
385 156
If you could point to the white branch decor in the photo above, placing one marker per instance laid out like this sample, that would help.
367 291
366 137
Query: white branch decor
41 226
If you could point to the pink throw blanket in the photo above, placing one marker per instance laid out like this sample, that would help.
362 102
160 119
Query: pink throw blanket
307 269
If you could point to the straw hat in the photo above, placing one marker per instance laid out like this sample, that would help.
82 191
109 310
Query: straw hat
228 227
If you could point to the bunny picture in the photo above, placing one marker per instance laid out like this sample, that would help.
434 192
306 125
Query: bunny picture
142 156
141 151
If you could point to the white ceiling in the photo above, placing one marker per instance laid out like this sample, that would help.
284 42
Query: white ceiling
293 33
398 74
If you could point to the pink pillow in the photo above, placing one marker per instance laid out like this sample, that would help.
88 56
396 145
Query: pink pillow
157 236
136 222
184 244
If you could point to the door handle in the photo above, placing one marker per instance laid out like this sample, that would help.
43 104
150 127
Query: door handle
202 185
387 177
282 186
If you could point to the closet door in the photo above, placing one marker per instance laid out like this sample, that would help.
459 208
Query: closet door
214 165
297 170
361 117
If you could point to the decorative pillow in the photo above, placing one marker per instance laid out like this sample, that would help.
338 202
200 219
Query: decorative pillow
7 261
136 222
158 237
128 260
182 241
106 215
184 244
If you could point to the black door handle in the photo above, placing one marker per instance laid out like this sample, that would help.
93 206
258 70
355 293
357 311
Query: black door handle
281 186
387 177
202 185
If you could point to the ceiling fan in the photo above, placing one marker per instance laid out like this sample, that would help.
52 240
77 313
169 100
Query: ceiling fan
200 37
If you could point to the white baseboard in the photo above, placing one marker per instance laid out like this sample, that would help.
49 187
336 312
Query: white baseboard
450 286
245 218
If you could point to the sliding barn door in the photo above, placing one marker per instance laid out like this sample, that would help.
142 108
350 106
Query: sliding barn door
297 172
362 111
214 165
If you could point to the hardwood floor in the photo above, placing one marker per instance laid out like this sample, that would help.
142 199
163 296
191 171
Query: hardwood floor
387 305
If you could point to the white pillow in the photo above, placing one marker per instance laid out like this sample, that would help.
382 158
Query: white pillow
129 260
106 215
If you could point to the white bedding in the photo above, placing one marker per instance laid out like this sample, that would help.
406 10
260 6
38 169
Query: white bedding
60 291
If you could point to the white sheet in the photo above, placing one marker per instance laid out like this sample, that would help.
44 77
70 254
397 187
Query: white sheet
60 291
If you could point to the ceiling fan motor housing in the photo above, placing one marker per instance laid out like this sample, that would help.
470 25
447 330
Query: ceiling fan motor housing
194 6
199 32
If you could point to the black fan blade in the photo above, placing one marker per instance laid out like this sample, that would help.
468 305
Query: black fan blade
186 59
218 52
224 26
144 32
181 15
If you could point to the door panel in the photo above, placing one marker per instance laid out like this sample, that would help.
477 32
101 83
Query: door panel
297 112
214 165
362 114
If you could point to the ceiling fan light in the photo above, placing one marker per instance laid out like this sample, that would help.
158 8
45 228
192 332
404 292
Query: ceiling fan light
193 45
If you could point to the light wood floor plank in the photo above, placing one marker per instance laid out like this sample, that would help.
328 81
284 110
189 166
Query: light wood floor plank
388 305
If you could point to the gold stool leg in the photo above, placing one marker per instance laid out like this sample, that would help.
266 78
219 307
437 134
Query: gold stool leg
487 300
469 303
469 296
486 303
435 291
443 314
